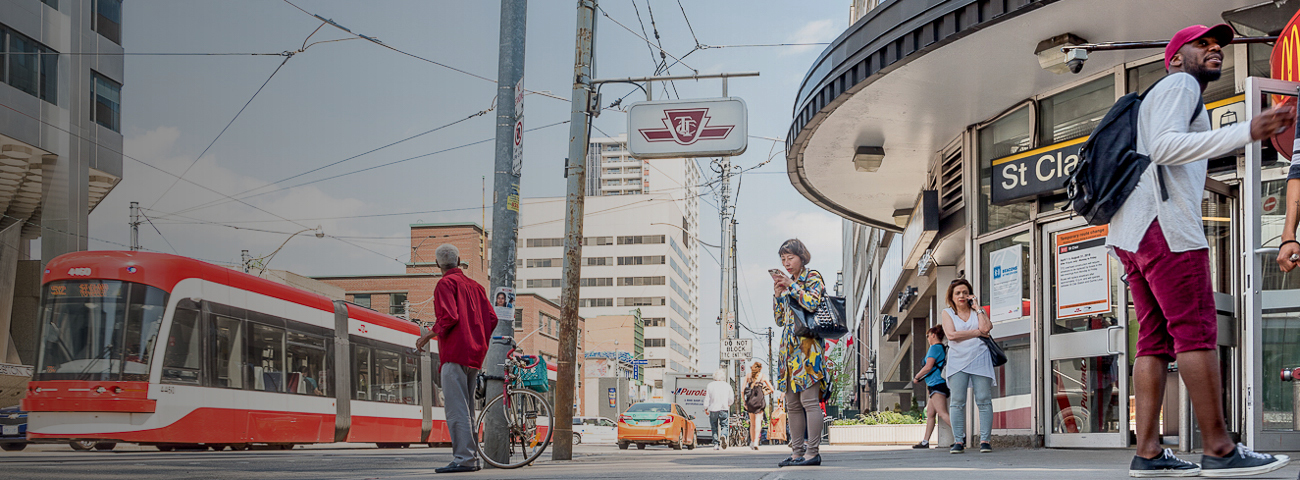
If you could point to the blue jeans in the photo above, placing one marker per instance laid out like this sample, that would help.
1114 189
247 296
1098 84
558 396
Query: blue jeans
983 387
718 420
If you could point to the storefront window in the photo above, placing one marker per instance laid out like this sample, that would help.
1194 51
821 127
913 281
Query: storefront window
1075 112
987 249
1216 215
1142 77
1015 411
1009 135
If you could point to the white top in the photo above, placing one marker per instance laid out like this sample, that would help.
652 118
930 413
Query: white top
1164 134
970 355
718 396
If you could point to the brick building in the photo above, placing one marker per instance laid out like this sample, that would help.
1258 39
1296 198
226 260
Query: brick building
537 329
389 293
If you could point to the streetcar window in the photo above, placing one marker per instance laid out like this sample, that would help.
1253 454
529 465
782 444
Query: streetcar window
306 354
229 351
410 378
184 349
102 330
266 356
361 359
388 379
437 379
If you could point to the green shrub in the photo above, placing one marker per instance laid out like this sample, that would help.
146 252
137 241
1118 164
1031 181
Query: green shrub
881 418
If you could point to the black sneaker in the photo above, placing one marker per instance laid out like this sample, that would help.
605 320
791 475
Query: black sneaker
1165 465
921 445
957 448
985 447
1242 461
454 468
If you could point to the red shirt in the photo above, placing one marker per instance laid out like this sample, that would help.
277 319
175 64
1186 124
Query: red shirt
465 319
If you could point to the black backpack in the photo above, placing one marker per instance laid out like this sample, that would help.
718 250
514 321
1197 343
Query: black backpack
1109 165
754 399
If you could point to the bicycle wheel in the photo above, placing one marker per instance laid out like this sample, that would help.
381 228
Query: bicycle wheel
528 422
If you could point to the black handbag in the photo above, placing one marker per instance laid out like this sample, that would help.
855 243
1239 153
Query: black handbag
995 352
827 323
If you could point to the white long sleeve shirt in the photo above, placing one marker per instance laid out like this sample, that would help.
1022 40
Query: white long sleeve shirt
1164 134
718 396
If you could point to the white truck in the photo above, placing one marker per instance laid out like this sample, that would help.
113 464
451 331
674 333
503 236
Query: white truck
687 390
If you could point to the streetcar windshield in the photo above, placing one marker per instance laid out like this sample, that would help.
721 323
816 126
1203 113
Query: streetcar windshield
100 330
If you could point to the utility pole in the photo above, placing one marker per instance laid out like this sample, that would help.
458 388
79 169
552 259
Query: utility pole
135 226
566 375
505 207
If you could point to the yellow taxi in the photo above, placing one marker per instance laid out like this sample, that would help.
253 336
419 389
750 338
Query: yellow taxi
656 424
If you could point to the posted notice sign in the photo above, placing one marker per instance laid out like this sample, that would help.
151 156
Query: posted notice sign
737 348
1007 286
1082 273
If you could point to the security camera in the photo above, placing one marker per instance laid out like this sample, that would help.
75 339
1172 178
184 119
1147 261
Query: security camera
1074 59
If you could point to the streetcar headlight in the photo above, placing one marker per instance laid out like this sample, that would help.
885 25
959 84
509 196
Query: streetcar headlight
100 390
117 390
38 390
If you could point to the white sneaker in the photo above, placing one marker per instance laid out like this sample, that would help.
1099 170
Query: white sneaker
715 447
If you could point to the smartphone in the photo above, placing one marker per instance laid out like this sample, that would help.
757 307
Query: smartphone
971 301
776 273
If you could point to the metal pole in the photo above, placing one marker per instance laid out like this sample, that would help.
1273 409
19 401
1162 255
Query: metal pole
505 208
566 380
135 226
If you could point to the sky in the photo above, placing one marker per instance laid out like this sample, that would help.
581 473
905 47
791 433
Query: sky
335 101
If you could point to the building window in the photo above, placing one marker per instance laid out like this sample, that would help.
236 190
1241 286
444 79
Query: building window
1014 380
362 299
597 241
542 262
106 109
544 283
546 242
656 342
641 239
108 19
595 302
597 261
641 301
549 323
598 282
640 281
52 3
987 249
519 319
654 321
646 260
397 304
1075 112
24 64
1008 135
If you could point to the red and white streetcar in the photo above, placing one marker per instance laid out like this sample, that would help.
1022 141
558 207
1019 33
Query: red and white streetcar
170 351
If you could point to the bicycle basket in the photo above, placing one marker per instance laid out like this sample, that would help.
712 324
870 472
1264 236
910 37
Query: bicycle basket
534 378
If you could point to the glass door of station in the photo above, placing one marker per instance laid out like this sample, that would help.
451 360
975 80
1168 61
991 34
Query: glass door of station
1271 299
1086 381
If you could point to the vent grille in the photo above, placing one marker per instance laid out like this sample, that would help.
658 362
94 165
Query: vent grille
950 183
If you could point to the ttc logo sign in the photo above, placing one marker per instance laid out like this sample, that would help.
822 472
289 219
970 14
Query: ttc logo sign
685 127
997 272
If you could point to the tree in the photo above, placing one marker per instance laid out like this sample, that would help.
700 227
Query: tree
841 372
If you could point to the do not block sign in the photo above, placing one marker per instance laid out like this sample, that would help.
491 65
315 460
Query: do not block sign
737 348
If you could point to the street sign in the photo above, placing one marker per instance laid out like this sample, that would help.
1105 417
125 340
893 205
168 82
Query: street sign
640 361
737 348
636 372
688 128
519 127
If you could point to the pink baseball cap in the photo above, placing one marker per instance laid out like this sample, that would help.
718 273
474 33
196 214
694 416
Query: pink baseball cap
1221 33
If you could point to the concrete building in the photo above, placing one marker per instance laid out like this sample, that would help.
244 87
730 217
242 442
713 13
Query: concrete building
639 252
60 141
927 168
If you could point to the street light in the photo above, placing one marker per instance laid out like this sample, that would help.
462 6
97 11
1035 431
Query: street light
320 233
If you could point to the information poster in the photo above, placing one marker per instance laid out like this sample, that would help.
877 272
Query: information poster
1007 286
1082 273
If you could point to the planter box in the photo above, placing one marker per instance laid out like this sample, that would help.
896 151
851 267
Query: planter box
878 434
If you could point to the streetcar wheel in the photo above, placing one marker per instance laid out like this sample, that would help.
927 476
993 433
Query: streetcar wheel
285 446
165 448
217 447
235 447
640 446
82 445
622 445
528 425
577 439
105 446
13 447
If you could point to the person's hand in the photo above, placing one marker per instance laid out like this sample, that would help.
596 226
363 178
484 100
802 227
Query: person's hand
423 341
974 302
778 288
1285 254
1272 121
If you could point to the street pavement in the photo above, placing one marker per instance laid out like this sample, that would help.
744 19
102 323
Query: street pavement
337 461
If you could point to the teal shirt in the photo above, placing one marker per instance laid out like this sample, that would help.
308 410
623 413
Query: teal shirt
935 376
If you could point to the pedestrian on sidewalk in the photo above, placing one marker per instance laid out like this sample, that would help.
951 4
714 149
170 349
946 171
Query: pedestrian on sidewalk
968 364
718 396
801 369
756 391
465 320
936 403
1158 235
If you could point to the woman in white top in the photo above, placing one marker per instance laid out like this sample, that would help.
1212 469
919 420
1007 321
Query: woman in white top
969 363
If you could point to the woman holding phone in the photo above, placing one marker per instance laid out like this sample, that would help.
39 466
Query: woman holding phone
801 371
968 363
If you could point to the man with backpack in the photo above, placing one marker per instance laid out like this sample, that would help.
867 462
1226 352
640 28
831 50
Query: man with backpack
1158 235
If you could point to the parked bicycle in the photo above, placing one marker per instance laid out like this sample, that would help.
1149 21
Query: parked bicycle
528 416
738 431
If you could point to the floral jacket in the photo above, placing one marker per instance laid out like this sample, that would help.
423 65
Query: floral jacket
801 363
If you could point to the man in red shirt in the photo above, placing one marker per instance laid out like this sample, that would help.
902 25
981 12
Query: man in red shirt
465 320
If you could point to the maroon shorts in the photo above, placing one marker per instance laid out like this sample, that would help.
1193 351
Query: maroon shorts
1173 296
